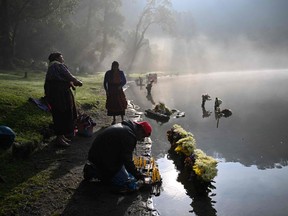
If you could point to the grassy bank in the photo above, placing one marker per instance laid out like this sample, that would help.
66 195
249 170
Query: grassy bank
28 122
24 117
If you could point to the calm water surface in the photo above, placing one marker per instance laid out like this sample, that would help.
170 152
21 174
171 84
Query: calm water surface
251 145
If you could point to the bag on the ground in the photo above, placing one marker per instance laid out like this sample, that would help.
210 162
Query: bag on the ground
7 136
85 125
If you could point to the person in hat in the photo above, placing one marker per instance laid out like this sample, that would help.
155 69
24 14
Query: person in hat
110 158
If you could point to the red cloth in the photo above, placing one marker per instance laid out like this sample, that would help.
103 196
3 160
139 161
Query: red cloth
116 102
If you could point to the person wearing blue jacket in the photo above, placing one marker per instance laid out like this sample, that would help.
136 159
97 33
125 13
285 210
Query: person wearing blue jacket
110 158
116 102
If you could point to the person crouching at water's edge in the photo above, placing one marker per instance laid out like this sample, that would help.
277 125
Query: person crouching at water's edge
110 157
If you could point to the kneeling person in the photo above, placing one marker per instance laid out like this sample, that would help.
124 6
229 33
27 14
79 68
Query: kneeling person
110 157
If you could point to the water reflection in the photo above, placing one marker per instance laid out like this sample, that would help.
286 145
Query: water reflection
256 133
221 113
217 112
205 113
150 98
252 144
200 192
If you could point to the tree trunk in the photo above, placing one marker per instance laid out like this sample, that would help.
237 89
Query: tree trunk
105 34
6 46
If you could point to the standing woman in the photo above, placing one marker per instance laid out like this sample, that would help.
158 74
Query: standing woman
58 84
116 102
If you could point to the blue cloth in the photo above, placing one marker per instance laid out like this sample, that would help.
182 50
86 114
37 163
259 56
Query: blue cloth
7 137
125 179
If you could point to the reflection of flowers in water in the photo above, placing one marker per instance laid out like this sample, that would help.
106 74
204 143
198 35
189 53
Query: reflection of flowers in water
199 191
197 170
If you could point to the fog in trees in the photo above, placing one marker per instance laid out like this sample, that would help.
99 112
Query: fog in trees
146 35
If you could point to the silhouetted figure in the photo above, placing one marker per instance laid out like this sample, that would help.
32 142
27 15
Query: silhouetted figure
140 81
58 86
116 102
205 97
205 113
149 87
222 113
110 158
150 98
217 104
217 115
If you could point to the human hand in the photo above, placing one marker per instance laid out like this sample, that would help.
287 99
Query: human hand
72 85
141 176
78 83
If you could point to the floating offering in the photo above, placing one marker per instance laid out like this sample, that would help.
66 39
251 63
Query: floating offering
160 112
157 116
198 163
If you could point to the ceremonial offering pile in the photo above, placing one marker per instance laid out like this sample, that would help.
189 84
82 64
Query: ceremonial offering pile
184 144
148 166
160 112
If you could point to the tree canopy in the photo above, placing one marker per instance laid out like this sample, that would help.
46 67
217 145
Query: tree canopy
88 32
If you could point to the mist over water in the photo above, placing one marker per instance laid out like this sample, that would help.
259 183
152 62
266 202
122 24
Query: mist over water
251 145
177 36
211 36
236 50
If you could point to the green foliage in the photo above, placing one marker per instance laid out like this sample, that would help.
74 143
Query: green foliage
17 112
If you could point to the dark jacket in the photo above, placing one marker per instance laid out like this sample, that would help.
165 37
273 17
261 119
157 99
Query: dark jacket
57 87
112 148
109 77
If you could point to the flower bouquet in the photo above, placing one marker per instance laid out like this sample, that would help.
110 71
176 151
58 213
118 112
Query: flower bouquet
184 143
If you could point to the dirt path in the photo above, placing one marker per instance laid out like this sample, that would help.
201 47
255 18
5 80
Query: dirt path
67 194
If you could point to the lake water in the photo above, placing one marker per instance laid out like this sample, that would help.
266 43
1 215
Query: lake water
251 145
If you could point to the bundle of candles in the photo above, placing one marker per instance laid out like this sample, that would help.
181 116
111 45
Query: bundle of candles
148 167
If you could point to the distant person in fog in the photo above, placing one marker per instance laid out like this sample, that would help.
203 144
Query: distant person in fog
116 102
149 87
